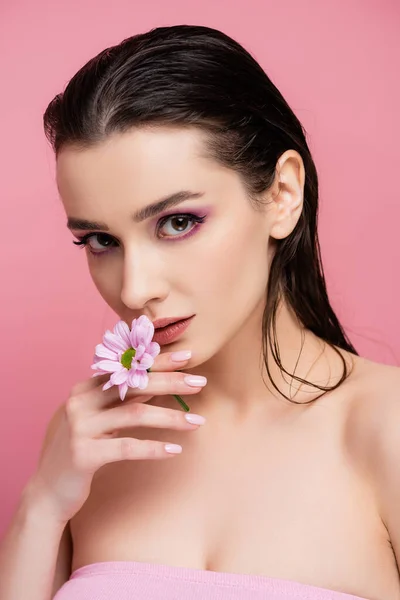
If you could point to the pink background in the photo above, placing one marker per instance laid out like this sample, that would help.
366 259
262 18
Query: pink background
336 63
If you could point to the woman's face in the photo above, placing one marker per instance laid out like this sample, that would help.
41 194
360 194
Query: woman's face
168 265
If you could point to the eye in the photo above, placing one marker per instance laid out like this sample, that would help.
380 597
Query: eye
180 224
106 242
84 241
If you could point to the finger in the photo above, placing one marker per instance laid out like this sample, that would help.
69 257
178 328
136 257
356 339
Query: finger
167 383
100 452
165 362
92 398
162 363
99 399
136 415
159 384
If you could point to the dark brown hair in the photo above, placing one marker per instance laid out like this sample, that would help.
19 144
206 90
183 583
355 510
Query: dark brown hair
190 75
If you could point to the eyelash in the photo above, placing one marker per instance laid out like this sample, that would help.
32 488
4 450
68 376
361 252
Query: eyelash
83 241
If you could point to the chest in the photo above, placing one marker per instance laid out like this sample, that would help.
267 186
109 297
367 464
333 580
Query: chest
286 505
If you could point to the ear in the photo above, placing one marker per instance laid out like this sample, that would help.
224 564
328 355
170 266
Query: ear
287 195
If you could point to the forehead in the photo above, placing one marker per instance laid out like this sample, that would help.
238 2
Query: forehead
139 158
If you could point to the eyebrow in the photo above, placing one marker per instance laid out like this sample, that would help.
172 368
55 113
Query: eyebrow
151 210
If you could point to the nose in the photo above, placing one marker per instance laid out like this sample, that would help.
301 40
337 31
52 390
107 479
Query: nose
143 280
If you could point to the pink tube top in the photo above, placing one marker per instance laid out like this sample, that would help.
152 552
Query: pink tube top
121 580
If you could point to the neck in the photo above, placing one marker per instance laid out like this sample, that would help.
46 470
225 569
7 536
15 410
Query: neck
238 383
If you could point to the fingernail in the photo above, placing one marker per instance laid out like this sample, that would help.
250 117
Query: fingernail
195 419
181 355
195 380
173 448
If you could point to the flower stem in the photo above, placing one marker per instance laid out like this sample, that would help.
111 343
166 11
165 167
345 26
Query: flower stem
182 403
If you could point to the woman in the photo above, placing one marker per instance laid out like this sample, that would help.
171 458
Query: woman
188 179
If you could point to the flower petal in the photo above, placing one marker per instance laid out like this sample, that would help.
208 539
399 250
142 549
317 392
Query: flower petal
103 352
109 366
122 330
114 342
153 349
140 351
146 361
133 335
100 372
123 388
134 366
143 331
149 329
119 377
143 380
133 379
107 385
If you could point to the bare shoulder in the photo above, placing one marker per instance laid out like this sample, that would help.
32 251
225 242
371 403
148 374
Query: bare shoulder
375 407
373 418
373 437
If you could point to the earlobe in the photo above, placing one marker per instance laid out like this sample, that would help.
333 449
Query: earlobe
286 215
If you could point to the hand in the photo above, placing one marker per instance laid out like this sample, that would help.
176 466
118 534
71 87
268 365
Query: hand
87 435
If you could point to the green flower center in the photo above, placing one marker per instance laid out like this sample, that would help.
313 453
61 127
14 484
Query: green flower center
126 358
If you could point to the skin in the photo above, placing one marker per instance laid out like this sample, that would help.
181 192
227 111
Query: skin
304 503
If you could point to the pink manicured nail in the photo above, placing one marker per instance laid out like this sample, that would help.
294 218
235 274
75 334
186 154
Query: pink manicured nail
181 355
195 419
195 380
173 448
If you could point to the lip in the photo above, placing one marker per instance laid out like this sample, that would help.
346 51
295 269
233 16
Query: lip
168 320
169 334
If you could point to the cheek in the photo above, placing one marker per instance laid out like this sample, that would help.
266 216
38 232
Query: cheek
107 281
234 284
236 262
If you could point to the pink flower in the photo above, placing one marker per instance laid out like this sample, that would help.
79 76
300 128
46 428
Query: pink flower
127 354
